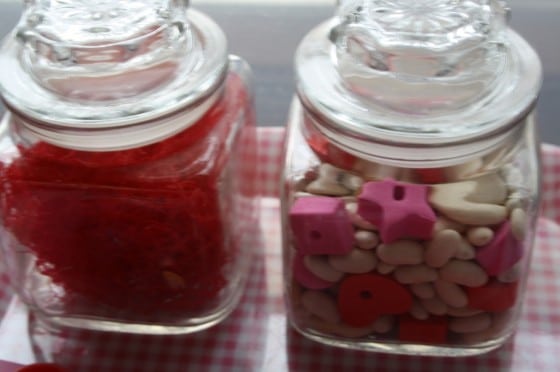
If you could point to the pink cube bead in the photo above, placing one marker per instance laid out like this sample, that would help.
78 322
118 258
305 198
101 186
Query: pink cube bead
321 225
501 253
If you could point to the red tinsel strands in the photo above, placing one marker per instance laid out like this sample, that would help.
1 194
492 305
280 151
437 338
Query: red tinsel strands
139 234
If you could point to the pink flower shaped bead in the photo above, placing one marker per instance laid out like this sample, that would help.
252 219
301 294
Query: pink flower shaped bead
400 210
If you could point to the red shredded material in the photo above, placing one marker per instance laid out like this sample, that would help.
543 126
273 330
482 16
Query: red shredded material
137 233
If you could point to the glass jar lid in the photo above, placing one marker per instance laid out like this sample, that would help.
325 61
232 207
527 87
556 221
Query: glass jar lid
417 77
110 63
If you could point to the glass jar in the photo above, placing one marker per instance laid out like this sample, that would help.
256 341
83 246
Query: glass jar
127 152
411 178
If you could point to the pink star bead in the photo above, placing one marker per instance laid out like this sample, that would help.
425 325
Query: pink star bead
501 253
321 225
400 210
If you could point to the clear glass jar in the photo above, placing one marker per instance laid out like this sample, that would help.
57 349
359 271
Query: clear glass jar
127 154
411 179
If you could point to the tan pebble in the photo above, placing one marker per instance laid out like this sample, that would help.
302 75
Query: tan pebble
319 265
518 221
451 293
434 306
418 311
461 312
480 235
358 261
442 248
474 202
401 252
444 223
384 324
475 323
356 219
466 273
415 274
513 274
321 305
423 290
366 239
338 329
384 269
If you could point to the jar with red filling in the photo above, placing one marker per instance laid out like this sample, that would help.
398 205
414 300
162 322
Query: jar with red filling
411 178
127 170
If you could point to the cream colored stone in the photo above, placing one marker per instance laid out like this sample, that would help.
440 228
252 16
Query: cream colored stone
401 252
319 265
384 269
465 251
321 305
358 261
444 223
356 219
450 293
465 273
366 239
442 248
384 324
434 306
412 274
375 171
474 202
418 311
518 221
423 290
480 235
330 181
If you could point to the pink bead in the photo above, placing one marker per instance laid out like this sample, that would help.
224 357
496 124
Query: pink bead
501 253
400 210
305 277
321 226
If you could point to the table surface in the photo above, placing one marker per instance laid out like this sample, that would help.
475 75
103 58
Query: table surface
267 32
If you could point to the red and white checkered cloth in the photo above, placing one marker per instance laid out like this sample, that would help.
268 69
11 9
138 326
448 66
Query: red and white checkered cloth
256 338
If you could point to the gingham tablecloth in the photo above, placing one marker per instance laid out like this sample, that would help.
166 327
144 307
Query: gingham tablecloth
256 338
